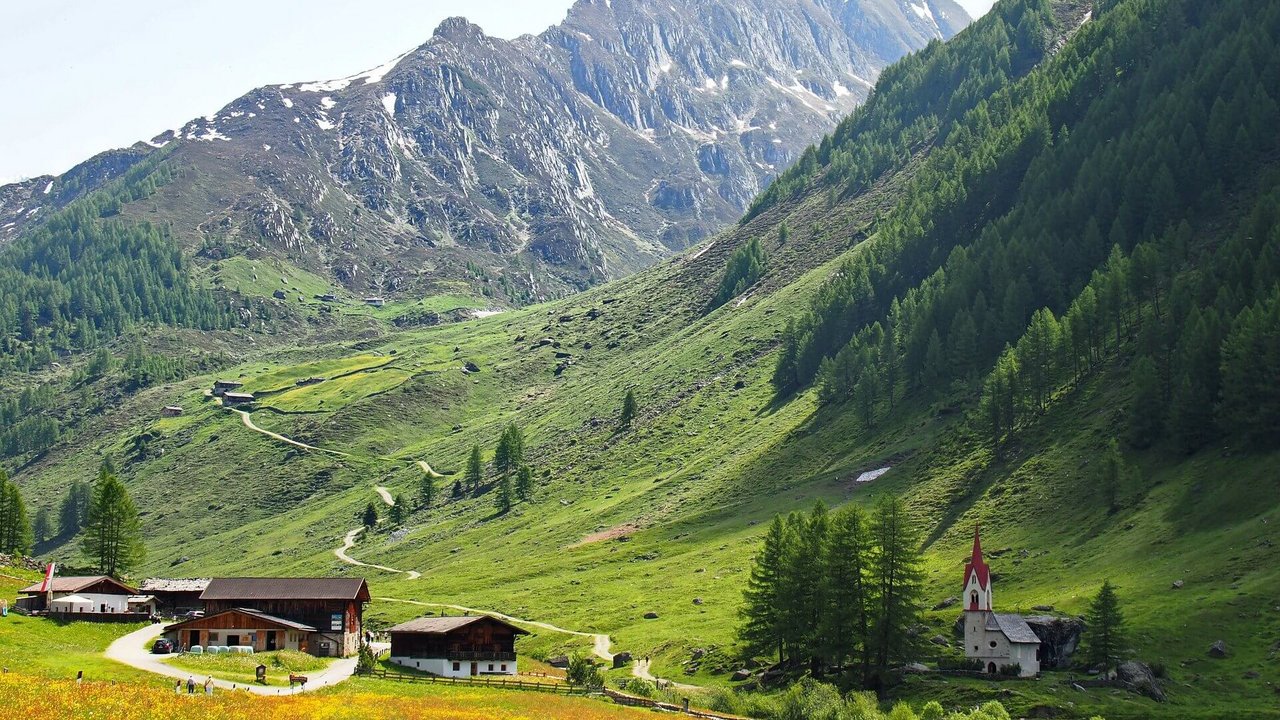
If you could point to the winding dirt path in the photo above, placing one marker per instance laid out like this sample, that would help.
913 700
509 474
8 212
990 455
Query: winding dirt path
349 541
601 643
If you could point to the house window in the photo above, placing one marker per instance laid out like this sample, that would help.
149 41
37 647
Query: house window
504 667
457 667
490 667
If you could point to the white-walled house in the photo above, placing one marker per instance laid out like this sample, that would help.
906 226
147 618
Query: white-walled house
456 646
96 594
996 639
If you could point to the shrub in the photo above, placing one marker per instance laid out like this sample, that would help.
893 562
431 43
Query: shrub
1012 670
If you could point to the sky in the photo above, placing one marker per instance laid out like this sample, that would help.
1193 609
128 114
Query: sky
81 76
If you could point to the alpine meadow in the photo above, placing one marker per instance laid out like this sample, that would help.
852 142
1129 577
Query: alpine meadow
831 359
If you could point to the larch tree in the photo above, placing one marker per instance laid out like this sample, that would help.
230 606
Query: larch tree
846 616
112 535
1104 643
628 414
42 527
15 527
426 491
370 515
475 470
398 511
761 622
524 483
897 584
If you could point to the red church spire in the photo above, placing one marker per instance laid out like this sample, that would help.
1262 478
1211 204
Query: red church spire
976 564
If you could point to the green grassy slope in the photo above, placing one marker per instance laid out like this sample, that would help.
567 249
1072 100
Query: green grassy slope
670 511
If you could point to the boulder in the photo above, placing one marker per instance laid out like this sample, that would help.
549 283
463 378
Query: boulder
697 654
938 640
470 367
946 603
1177 584
621 659
651 615
1042 608
697 601
559 661
1059 638
916 668
1137 676
741 675
1218 649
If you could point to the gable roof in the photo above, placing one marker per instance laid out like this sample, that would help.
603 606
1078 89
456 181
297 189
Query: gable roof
248 612
976 565
286 589
77 583
440 625
1013 627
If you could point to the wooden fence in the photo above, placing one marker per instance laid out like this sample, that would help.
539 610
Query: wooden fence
635 701
479 681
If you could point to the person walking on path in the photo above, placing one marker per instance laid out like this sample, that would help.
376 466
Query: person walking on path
191 685
177 686
208 686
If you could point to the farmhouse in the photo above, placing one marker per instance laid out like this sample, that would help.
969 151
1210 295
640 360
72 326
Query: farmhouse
375 301
170 411
98 595
237 398
456 646
321 616
996 639
175 596
221 387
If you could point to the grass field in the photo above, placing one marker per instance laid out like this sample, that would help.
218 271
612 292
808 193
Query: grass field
243 668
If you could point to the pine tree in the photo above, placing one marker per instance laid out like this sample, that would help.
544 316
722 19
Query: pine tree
524 483
42 528
510 451
628 410
426 491
15 528
475 470
504 495
897 585
75 508
1106 636
761 614
846 615
112 537
801 591
370 515
396 514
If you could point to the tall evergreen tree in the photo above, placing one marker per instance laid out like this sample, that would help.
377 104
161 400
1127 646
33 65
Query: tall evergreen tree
510 451
897 582
112 537
370 515
475 470
398 511
524 483
15 527
42 527
802 587
1146 408
1104 642
628 413
846 615
1114 475
761 615
426 491
505 493
74 509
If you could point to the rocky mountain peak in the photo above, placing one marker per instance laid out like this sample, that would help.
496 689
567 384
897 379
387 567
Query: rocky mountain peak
627 132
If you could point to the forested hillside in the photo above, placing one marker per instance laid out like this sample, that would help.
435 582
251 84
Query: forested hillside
1033 284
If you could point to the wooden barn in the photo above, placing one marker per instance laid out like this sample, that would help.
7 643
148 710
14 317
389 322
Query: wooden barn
333 609
237 398
222 387
242 627
456 646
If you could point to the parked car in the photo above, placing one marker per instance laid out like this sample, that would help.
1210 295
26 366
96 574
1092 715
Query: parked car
162 646
192 614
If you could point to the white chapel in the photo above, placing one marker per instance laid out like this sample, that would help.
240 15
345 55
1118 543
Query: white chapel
997 639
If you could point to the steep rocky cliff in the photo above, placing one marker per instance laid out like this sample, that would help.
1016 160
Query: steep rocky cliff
550 162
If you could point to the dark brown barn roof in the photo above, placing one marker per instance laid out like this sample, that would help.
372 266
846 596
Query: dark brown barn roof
440 625
286 589
71 584
270 620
